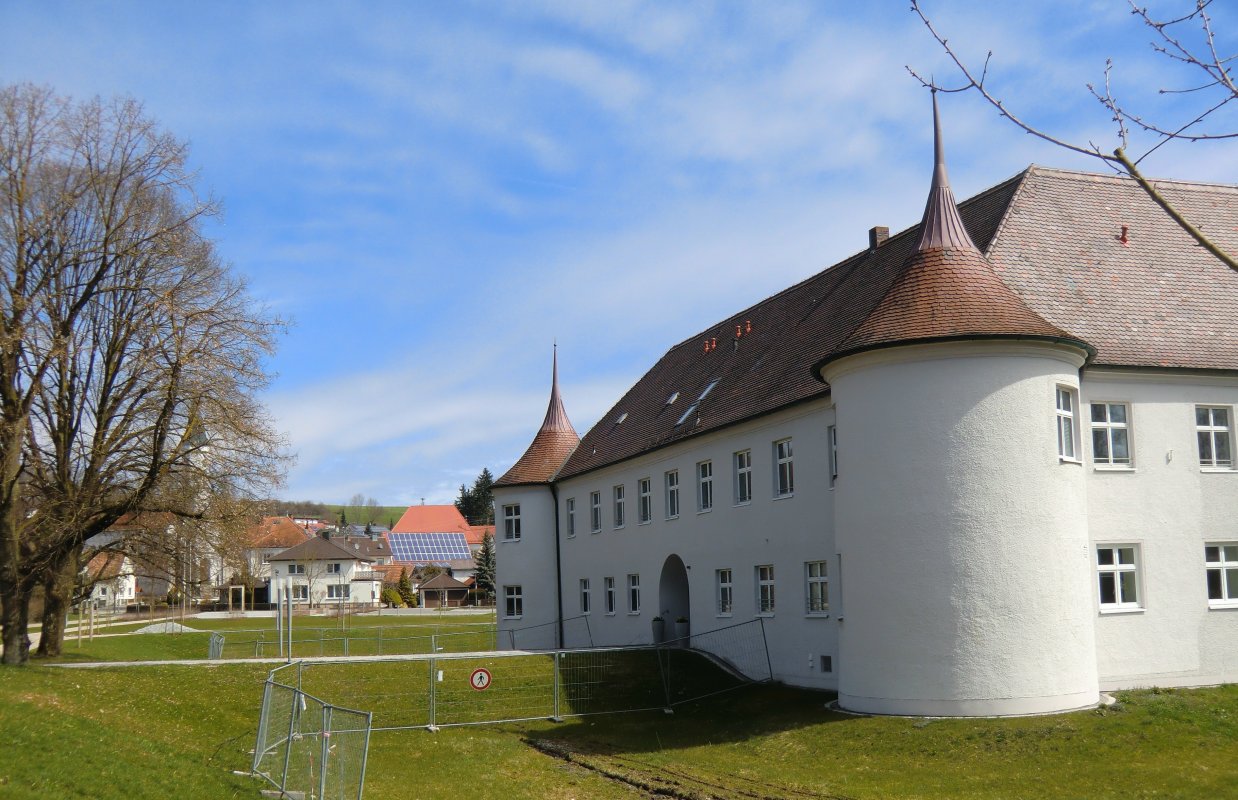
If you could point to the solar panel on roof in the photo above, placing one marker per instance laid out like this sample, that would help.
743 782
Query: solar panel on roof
429 548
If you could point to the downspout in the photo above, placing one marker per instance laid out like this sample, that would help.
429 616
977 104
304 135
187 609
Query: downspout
554 494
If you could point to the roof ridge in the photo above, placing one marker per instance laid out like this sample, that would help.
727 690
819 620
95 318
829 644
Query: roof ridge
1125 179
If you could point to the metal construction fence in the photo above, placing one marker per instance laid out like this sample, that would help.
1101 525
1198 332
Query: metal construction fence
307 747
449 689
456 637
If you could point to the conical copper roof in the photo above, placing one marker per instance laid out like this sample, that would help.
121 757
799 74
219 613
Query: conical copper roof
552 445
946 289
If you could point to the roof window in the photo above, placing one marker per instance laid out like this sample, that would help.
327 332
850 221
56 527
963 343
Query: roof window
708 389
674 396
686 414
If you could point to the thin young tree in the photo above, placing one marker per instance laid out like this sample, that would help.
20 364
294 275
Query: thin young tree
1188 40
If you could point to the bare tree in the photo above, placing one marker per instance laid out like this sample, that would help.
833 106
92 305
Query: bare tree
131 356
1189 40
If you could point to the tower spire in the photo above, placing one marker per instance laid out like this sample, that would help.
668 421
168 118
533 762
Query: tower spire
941 228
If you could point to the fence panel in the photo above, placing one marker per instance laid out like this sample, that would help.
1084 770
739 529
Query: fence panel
364 641
469 690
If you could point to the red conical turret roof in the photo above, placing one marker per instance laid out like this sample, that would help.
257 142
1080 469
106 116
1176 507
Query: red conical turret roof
552 445
946 289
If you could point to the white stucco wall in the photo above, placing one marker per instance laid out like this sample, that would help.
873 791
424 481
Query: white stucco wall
528 563
1168 506
785 532
966 572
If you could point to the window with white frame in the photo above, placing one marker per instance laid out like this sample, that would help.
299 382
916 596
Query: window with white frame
584 596
571 516
1111 434
619 506
672 494
333 568
300 591
337 591
784 469
831 437
1067 441
644 499
595 511
726 592
743 477
513 602
765 589
511 522
608 586
817 589
1215 433
296 569
1221 561
634 594
1117 567
705 486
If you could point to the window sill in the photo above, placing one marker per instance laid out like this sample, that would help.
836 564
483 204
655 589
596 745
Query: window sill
598 530
610 613
1112 468
508 541
817 615
619 527
704 510
513 618
668 519
785 496
1221 470
1065 460
723 616
1108 611
765 613
741 504
1223 605
633 613
645 522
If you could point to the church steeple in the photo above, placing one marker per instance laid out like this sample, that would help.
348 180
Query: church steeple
552 445
941 228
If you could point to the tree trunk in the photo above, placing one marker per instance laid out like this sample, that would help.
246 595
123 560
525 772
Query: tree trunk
15 612
57 597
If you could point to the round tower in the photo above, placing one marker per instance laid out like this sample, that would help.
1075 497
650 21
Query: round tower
526 523
961 526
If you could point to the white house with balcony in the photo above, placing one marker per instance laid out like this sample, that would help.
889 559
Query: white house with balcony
322 573
985 466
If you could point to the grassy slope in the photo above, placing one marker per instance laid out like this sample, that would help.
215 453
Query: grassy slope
179 731
780 742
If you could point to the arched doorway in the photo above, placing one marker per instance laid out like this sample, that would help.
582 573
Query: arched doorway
673 602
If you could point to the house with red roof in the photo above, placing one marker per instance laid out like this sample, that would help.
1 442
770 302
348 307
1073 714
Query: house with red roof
984 466
110 575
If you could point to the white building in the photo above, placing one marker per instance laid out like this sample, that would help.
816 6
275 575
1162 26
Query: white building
323 573
984 467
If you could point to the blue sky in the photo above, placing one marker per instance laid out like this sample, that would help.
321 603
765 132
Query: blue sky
435 191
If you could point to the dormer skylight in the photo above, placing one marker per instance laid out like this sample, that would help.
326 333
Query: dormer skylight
622 418
686 414
674 396
708 389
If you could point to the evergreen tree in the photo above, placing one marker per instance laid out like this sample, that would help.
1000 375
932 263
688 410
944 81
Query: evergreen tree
483 499
486 566
464 503
406 589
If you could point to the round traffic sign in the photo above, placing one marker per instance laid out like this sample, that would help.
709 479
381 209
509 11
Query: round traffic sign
480 679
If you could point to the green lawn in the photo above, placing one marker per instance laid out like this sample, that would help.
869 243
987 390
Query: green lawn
179 731
368 634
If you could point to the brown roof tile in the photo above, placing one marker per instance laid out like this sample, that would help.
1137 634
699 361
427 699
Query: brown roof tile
552 445
432 519
277 532
1050 236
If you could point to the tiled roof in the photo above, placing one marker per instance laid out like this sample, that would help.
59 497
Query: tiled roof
364 546
478 532
1051 236
1156 300
317 549
431 519
105 566
947 289
552 445
442 581
277 532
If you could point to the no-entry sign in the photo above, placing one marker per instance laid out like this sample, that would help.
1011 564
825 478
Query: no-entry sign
480 679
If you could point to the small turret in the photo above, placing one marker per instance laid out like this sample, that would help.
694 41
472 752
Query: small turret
552 445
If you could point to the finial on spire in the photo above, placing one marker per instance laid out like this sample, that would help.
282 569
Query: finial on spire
941 228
